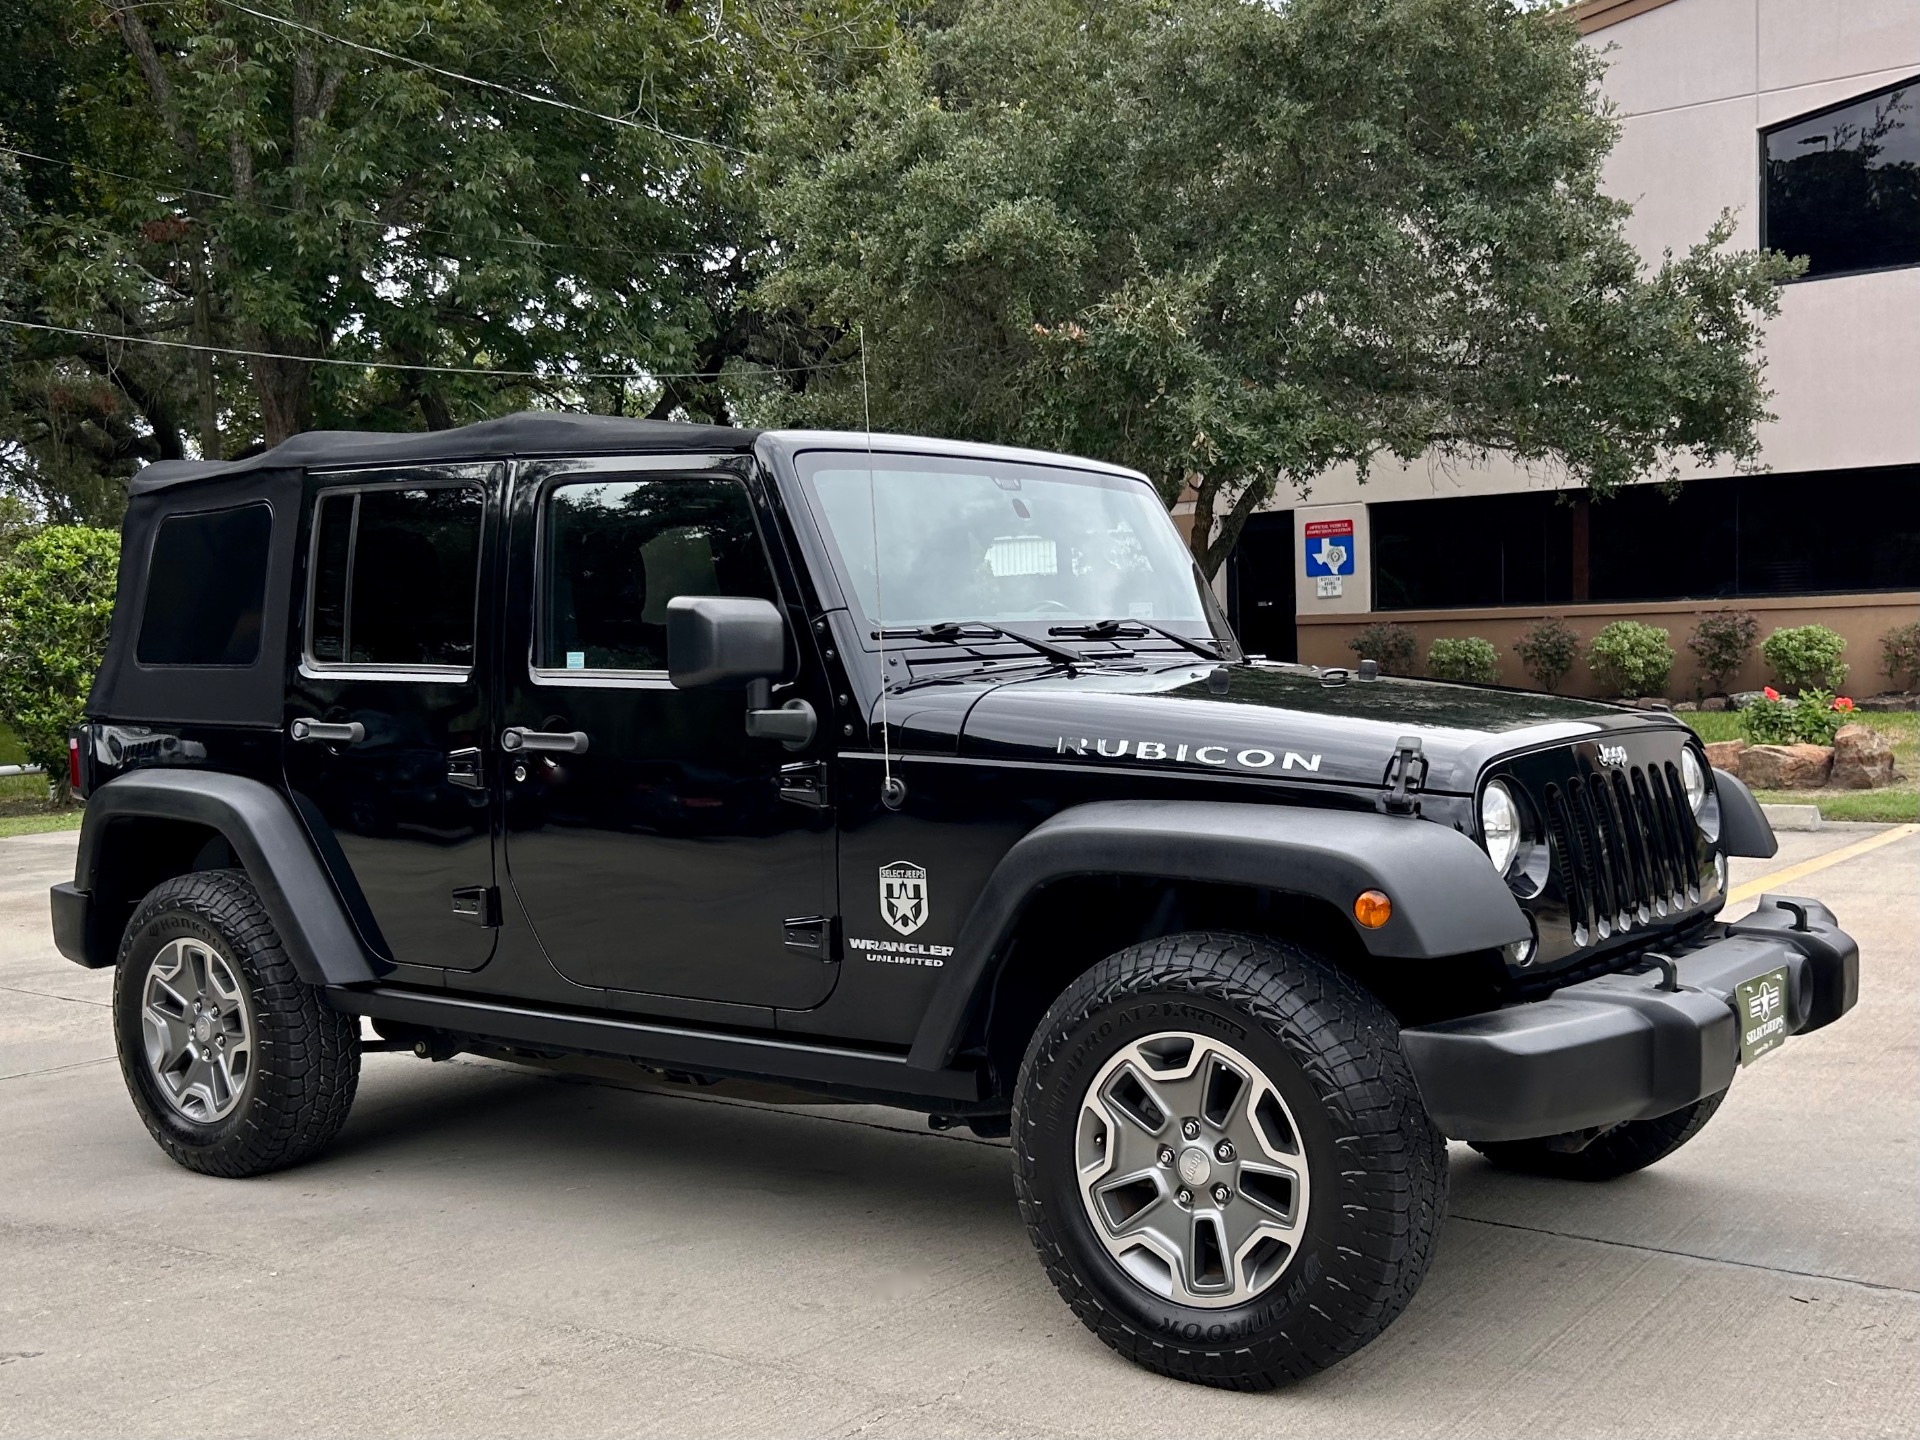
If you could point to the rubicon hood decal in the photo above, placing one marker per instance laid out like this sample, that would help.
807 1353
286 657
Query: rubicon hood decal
1252 757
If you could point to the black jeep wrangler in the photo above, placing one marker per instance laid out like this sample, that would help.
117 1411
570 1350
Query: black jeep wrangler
903 771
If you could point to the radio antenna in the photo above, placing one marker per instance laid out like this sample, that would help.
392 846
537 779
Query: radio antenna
892 791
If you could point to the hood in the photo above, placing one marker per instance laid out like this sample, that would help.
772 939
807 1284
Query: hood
1273 721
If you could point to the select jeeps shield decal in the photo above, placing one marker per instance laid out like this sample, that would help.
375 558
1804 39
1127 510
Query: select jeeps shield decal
903 896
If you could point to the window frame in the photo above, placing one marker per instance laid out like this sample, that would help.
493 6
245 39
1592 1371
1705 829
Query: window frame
1761 135
266 586
611 470
468 477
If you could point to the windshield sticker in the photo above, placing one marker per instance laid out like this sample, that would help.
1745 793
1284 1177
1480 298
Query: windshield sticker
1218 755
903 896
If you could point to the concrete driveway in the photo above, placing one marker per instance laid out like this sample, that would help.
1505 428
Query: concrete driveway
488 1251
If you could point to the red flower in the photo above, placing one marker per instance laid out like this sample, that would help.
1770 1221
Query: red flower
1842 704
1770 693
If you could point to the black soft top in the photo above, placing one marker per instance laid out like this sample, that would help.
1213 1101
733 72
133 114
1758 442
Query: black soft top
530 434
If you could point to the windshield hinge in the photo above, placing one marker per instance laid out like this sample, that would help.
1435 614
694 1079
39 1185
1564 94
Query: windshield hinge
1406 775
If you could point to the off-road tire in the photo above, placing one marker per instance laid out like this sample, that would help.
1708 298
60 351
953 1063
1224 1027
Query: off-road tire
1377 1165
307 1056
1620 1151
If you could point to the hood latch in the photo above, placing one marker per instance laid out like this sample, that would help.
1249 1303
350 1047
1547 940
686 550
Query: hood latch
1406 775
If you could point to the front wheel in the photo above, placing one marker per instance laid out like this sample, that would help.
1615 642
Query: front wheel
1223 1160
236 1065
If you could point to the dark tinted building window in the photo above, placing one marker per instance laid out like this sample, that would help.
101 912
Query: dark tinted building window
1474 550
206 583
616 551
394 577
1749 535
1842 186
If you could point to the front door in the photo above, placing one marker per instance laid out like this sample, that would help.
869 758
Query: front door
653 845
387 717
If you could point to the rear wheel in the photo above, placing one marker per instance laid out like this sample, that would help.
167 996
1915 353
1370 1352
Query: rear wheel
235 1064
1613 1152
1223 1160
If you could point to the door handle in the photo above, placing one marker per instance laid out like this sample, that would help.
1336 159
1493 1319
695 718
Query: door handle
351 733
516 738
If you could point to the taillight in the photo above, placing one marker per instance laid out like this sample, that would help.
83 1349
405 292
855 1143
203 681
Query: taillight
74 781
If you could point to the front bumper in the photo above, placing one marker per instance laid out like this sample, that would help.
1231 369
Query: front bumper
1624 1046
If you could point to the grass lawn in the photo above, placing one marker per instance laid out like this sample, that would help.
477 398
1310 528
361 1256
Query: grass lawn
23 798
1898 802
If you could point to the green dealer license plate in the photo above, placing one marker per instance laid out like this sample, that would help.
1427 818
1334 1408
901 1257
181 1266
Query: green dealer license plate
1760 1004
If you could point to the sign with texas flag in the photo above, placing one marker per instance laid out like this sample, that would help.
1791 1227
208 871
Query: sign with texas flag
1329 547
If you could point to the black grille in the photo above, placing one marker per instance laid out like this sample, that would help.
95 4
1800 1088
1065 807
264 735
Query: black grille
1622 843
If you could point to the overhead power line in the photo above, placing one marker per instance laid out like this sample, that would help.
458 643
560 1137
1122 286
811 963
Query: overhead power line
398 59
411 225
564 377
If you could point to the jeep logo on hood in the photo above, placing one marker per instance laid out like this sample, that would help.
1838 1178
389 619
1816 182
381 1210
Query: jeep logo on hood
1181 752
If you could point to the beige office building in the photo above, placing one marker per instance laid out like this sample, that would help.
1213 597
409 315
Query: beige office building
1803 117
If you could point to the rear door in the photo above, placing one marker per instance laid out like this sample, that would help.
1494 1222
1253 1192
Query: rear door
668 854
387 718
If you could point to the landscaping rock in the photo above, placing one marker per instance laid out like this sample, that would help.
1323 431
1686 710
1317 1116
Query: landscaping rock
1862 758
1681 707
1725 755
1786 767
1716 703
1741 699
1889 703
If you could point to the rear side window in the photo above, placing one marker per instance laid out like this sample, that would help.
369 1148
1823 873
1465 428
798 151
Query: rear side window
206 587
395 576
616 551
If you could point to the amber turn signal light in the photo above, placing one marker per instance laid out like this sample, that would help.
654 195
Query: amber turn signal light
1372 909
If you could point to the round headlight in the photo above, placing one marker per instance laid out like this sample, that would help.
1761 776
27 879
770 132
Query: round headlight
1499 824
1694 779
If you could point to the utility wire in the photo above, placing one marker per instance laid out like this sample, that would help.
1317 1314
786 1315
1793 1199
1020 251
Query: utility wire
409 225
398 59
562 378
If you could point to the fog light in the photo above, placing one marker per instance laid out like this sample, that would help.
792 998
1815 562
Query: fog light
1520 953
1372 909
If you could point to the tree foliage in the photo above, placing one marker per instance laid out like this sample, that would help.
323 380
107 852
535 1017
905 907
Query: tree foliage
1236 244
56 598
578 207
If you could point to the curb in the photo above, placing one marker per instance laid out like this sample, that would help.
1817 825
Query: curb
1792 817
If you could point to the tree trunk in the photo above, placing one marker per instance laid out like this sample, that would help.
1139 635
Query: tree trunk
284 388
1210 550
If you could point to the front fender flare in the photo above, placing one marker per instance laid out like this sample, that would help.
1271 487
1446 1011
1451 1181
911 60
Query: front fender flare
272 846
1447 899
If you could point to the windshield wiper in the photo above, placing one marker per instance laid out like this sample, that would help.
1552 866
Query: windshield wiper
952 632
1117 630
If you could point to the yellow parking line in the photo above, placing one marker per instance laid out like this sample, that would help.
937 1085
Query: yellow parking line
1755 888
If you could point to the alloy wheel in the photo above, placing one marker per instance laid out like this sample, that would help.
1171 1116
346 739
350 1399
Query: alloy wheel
1192 1169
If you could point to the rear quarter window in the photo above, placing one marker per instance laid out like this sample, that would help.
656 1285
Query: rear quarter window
206 588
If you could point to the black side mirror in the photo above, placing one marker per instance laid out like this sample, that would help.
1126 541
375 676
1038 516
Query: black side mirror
728 639
723 640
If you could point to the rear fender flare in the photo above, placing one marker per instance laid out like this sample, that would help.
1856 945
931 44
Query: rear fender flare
272 846
1447 899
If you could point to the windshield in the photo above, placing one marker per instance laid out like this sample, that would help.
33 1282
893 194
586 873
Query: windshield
1003 543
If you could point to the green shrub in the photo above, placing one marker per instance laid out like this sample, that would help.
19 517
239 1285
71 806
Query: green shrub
56 597
1548 651
1469 660
1720 643
1806 657
1901 647
1631 659
1391 645
1813 717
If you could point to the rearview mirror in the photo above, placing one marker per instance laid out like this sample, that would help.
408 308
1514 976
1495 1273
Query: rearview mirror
723 640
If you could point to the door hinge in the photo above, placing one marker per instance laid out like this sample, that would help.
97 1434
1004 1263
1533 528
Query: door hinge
815 935
478 905
464 769
804 784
